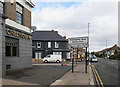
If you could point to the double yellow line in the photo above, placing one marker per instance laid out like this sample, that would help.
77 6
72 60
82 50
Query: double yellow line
97 77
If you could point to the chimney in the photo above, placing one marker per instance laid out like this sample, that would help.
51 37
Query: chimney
57 32
64 37
33 28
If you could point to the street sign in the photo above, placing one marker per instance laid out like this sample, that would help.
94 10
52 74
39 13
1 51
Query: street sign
78 42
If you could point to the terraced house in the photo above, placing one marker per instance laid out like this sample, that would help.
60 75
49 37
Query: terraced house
16 35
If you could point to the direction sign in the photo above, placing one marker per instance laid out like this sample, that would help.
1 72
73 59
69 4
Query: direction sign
78 42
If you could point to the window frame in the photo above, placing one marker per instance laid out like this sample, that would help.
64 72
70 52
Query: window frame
12 43
49 44
38 43
56 44
20 13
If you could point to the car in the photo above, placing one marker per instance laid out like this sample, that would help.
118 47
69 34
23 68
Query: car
52 58
94 59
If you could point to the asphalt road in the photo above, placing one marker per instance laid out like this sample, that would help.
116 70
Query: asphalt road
108 71
39 74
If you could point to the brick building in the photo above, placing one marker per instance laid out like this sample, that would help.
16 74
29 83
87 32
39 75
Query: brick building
16 35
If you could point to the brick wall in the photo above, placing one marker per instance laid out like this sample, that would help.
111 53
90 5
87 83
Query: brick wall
26 18
10 10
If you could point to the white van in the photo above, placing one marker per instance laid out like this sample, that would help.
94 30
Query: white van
52 58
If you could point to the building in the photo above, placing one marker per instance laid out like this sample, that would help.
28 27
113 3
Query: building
2 27
49 42
110 50
16 35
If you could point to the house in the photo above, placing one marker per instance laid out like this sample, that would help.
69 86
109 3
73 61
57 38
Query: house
49 42
110 50
16 35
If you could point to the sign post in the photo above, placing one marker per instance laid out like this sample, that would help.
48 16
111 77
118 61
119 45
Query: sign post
86 61
78 42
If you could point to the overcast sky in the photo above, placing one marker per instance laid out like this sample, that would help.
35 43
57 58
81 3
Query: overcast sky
71 19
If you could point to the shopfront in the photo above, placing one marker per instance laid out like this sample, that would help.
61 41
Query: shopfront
17 52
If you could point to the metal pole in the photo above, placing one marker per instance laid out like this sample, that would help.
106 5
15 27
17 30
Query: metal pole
86 61
88 38
73 62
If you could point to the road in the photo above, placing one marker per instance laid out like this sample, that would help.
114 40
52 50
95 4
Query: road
108 71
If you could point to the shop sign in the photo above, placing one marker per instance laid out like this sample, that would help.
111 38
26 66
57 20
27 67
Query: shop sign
17 34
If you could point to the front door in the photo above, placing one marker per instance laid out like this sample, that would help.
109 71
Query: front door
38 55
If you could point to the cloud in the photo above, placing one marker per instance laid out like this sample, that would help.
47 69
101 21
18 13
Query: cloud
73 21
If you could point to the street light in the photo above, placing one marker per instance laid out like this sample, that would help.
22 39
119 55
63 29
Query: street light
88 38
86 51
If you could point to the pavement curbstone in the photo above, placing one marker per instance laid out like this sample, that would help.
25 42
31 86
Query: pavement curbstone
91 78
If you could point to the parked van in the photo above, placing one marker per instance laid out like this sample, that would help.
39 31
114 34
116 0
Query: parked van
52 58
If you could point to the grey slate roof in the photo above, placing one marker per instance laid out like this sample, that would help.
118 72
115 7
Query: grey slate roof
47 36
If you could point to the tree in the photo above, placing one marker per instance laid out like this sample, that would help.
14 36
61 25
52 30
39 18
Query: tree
92 53
116 52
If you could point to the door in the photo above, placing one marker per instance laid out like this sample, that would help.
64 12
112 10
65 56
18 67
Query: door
38 55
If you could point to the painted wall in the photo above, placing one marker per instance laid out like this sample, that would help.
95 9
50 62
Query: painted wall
45 50
24 60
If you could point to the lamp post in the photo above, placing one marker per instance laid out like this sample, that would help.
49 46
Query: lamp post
88 38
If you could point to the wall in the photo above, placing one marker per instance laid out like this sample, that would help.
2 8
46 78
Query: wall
26 18
25 54
44 47
0 51
10 10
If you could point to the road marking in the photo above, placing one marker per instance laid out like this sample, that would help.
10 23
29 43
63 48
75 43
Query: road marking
56 82
51 64
97 75
96 78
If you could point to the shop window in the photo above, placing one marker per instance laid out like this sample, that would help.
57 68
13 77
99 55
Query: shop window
12 46
56 45
8 67
49 44
19 13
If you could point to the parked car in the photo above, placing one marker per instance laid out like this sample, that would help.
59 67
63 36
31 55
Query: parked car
52 58
94 59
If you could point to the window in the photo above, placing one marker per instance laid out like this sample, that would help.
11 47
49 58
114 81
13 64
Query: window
19 14
49 44
38 44
68 55
11 46
57 53
56 45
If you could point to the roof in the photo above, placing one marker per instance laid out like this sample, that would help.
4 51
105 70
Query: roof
115 47
30 3
47 36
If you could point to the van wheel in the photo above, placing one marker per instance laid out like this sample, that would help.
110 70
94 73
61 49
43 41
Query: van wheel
58 61
45 61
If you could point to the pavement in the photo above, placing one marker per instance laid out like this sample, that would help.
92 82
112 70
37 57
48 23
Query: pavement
52 75
38 75
77 78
